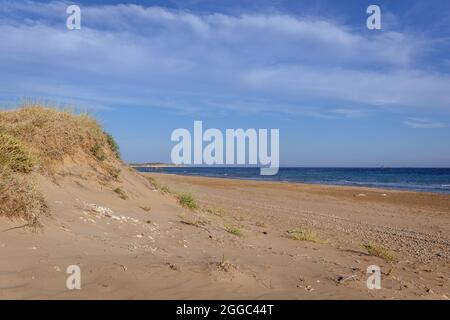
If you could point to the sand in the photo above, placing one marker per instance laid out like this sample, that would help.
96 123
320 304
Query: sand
150 247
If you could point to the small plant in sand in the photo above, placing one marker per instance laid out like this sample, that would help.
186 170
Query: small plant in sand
121 193
217 212
165 190
234 230
187 200
114 172
97 151
305 235
379 251
225 265
196 222
153 182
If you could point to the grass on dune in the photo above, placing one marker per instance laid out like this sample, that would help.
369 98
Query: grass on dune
305 235
192 221
52 134
379 251
19 198
121 193
234 230
187 200
15 155
39 138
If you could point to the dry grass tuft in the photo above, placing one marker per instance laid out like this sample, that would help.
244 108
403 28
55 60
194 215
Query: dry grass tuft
379 251
19 198
192 221
165 190
220 212
121 193
153 182
234 230
15 155
305 235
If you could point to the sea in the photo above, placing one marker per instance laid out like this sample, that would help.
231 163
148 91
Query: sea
415 179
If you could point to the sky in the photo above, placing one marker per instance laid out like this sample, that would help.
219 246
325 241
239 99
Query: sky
340 94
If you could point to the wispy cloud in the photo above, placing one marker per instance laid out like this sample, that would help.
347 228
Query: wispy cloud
350 113
152 56
421 123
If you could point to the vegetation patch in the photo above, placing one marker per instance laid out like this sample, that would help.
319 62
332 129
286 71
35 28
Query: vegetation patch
234 230
305 235
14 154
196 222
153 182
114 146
97 151
157 186
41 138
225 265
114 172
380 252
217 212
187 200
19 198
121 193
165 189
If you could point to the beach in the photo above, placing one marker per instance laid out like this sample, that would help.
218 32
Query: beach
243 240
243 152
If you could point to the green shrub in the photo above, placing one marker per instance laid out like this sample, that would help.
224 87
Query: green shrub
113 144
97 151
187 200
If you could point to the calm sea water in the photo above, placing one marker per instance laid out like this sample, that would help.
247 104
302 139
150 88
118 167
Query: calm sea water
429 179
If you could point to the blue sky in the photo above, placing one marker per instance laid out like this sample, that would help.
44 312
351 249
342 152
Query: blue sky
341 95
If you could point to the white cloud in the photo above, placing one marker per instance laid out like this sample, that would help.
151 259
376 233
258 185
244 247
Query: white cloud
421 123
134 55
350 113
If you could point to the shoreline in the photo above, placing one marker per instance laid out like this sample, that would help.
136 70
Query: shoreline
422 199
318 184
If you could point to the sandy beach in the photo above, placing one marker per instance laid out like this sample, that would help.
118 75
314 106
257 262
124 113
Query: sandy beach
238 244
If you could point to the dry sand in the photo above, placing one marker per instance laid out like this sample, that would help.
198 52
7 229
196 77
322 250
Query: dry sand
170 252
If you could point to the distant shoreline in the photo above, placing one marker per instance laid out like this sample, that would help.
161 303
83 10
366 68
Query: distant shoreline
416 180
154 165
